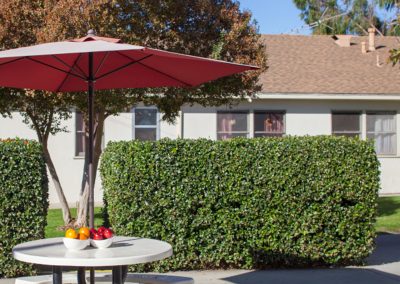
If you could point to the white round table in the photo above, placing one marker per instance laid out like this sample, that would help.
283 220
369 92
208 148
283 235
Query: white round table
123 252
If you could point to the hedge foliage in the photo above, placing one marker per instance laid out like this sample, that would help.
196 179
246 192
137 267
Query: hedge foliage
23 200
246 203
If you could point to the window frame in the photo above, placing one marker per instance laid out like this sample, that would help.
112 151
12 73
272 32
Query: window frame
246 112
80 132
76 154
342 133
383 112
156 126
283 112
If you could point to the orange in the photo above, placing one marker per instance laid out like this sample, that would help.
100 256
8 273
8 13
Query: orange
82 237
84 231
70 233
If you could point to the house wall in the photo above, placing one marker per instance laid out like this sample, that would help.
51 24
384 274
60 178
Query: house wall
303 117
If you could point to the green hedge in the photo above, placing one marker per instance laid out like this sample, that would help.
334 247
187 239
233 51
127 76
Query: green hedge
23 200
246 203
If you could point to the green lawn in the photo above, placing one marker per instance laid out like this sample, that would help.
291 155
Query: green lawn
54 221
388 217
388 214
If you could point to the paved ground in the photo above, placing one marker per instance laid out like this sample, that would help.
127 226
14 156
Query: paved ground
383 268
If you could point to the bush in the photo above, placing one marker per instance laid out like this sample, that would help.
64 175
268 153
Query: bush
23 200
246 203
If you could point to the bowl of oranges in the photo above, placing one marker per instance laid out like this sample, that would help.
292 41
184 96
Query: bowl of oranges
74 240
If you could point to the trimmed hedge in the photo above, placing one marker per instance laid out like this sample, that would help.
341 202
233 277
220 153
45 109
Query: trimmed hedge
246 203
23 200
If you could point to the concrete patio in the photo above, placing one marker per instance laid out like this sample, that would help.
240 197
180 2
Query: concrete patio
383 268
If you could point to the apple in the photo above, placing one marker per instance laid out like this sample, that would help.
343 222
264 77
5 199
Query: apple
92 231
108 233
101 230
97 237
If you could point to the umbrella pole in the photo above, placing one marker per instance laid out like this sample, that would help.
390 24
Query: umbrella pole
90 105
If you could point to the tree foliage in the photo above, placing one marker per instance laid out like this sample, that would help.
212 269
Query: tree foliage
208 28
190 27
346 16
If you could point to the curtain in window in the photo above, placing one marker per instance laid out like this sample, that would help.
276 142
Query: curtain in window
382 129
231 125
273 123
226 123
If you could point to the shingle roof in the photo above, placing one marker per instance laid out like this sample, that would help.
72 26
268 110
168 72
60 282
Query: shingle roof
316 64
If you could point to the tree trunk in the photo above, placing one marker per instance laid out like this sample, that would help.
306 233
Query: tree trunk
82 210
43 137
56 181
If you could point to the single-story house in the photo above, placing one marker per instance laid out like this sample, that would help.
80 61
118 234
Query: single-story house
315 85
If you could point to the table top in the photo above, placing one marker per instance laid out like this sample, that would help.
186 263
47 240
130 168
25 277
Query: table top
123 251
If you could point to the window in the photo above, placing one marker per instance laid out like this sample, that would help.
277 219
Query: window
231 124
80 141
145 124
381 127
346 124
267 124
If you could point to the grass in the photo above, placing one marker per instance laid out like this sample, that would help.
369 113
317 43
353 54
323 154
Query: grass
388 214
55 220
388 220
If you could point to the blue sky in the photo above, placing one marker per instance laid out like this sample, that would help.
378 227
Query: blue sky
275 16
282 16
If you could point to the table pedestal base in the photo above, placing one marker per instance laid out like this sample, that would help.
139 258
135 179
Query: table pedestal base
57 275
119 274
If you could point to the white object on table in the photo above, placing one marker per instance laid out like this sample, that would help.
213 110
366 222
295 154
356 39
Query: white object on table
100 244
123 251
75 244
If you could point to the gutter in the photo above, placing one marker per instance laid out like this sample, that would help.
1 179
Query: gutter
304 96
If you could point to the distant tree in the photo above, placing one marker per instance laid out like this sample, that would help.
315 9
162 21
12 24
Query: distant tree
345 16
209 28
20 22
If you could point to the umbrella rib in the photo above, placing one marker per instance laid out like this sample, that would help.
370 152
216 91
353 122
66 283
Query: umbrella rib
101 63
11 61
56 68
158 71
66 77
122 67
167 75
71 68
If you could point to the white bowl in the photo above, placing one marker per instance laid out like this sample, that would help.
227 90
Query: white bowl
101 243
75 244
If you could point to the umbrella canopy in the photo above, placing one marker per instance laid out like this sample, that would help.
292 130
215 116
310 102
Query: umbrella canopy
93 62
64 66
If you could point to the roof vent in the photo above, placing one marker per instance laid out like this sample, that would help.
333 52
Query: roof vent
371 39
363 47
342 40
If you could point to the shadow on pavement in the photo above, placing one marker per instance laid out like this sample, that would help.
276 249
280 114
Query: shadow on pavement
315 276
387 250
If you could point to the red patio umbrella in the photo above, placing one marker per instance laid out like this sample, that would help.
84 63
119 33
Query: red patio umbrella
94 62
